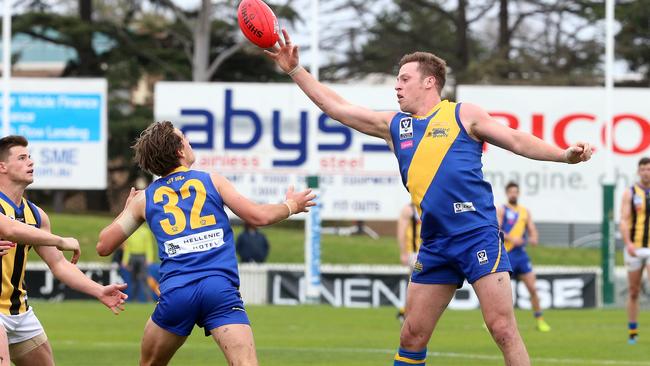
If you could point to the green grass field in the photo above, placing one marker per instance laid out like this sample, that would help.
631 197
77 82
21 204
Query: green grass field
287 245
86 333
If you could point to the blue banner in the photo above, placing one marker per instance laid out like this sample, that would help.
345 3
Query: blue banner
56 117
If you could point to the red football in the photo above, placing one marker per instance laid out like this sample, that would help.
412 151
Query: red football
258 23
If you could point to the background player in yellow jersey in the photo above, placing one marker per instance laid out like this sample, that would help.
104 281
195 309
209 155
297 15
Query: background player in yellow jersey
438 146
518 231
408 240
14 231
634 226
28 344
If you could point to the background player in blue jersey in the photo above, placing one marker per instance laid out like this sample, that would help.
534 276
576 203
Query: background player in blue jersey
438 145
199 284
518 231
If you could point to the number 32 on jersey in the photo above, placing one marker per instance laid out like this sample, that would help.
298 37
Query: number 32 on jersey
178 215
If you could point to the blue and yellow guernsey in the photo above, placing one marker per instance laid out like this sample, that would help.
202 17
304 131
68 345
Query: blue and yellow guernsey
185 212
440 165
13 292
515 223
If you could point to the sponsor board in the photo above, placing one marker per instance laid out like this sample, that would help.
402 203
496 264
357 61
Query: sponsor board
364 290
65 123
265 137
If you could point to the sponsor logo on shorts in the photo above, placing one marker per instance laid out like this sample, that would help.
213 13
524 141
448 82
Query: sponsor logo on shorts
417 267
406 144
237 308
463 207
406 128
482 257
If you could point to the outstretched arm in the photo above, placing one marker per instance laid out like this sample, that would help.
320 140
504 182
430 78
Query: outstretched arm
362 119
125 224
262 214
483 127
68 273
18 232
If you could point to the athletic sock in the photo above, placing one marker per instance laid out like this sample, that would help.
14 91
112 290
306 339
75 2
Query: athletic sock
408 358
634 332
539 315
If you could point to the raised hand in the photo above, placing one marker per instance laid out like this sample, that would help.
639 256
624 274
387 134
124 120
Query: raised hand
299 201
578 153
284 53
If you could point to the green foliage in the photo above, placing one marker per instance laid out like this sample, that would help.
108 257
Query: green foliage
324 336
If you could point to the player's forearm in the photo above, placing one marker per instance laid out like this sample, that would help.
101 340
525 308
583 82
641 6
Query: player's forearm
625 233
271 213
324 97
535 148
72 277
26 234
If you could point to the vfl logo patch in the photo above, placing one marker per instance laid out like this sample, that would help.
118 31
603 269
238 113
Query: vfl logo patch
406 128
439 132
463 207
482 257
406 144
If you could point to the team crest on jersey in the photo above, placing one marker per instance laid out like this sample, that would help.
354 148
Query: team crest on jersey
464 207
406 128
482 257
439 132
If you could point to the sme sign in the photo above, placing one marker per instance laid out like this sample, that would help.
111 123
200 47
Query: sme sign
264 137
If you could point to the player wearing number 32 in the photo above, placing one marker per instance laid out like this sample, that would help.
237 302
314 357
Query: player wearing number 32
199 280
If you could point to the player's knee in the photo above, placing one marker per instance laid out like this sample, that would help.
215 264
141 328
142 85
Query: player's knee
503 331
412 337
634 293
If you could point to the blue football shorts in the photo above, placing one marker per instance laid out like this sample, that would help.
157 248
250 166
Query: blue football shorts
452 259
520 262
209 302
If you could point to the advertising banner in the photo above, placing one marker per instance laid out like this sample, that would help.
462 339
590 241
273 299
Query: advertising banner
363 290
65 123
265 137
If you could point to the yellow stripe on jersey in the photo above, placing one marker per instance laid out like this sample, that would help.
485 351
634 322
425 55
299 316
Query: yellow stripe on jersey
12 288
518 230
430 152
410 361
639 218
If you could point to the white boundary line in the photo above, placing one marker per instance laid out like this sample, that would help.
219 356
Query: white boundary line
466 356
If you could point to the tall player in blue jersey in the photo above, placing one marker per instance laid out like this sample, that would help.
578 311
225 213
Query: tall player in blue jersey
519 230
438 145
199 279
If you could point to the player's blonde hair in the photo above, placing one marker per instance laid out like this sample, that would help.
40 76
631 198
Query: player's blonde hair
428 65
156 150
